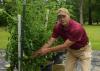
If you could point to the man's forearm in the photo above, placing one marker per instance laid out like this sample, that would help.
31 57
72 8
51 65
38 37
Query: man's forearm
58 48
61 47
46 45
49 42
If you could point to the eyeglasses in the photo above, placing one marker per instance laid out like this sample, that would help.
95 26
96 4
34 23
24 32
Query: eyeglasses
61 16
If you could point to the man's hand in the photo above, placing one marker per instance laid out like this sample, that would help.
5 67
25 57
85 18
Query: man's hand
41 52
35 54
44 49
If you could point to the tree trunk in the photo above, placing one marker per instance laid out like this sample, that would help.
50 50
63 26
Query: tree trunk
90 13
81 11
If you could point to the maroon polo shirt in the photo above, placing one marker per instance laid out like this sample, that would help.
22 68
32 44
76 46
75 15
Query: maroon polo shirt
74 32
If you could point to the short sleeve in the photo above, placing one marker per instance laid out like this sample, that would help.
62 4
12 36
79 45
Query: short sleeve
75 35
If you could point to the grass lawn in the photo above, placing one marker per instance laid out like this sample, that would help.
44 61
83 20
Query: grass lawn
3 38
93 32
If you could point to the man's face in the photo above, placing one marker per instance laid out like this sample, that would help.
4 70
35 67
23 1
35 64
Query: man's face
63 18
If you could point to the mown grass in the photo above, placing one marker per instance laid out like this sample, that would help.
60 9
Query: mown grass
93 32
3 37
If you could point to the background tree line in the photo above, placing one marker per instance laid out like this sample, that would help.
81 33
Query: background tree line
84 10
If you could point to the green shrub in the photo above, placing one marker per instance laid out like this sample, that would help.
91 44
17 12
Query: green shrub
35 34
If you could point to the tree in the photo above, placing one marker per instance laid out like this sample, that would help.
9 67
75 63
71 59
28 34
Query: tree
81 11
90 13
96 11
7 13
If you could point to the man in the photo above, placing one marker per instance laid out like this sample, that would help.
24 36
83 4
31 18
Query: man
75 41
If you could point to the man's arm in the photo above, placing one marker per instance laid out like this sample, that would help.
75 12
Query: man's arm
45 46
49 42
63 46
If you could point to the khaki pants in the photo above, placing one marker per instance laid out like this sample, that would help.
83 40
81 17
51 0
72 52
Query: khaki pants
83 54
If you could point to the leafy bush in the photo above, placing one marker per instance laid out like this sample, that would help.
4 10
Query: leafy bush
3 18
35 33
7 12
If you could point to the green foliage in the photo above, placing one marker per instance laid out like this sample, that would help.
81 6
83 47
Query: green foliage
3 18
95 6
95 10
7 13
35 34
10 8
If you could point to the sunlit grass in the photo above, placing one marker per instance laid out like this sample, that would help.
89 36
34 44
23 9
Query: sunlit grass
3 38
93 32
